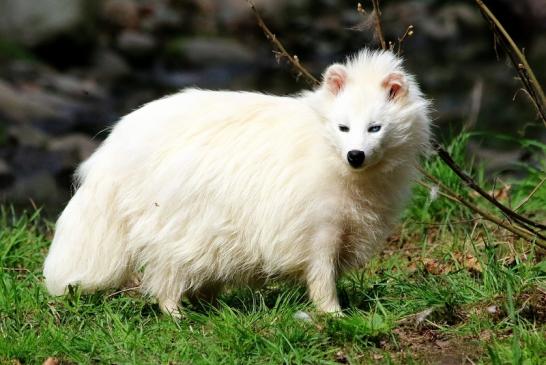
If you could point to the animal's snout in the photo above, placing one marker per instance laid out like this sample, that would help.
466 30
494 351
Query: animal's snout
356 158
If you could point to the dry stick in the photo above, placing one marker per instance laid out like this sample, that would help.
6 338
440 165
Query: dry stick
525 222
407 33
378 27
448 193
524 201
282 52
519 61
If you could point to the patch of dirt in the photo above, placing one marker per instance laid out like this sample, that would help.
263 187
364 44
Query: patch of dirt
432 347
531 305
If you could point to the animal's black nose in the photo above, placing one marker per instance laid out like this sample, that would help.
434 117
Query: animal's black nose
355 158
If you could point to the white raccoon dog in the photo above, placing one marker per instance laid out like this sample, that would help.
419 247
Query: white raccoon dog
204 189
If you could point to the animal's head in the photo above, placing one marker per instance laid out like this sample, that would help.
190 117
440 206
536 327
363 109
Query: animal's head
375 111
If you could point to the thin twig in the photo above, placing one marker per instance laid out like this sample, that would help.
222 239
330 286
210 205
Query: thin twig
407 33
378 27
519 61
123 291
281 52
449 194
523 221
524 201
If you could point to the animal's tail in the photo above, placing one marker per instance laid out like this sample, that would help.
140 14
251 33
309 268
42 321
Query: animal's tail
89 247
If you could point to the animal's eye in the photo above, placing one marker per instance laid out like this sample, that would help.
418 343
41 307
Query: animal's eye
343 128
374 128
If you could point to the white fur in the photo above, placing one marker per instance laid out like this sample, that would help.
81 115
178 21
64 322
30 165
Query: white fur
203 189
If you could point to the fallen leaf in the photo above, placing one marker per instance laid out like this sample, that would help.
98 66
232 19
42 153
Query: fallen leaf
412 267
468 261
436 268
492 309
502 193
486 335
341 357
441 344
421 316
51 361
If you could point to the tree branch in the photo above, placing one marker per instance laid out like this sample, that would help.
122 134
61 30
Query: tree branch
524 201
281 52
448 193
523 221
519 61
378 27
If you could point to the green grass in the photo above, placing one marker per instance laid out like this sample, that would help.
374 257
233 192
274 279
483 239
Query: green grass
483 293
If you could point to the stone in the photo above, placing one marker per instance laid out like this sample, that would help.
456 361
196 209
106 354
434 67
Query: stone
6 175
109 66
123 13
135 42
205 51
30 22
74 147
25 135
18 106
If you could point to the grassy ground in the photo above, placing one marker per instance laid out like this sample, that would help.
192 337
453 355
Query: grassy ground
449 289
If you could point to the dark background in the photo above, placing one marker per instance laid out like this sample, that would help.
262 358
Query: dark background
71 68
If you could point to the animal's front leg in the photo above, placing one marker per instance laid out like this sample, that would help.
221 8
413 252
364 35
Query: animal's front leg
321 272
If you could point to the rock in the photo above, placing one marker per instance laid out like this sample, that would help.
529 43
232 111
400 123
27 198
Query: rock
494 159
231 13
6 175
109 66
123 13
69 85
204 52
40 187
55 111
303 316
26 135
70 150
30 22
74 148
135 42
18 106
161 15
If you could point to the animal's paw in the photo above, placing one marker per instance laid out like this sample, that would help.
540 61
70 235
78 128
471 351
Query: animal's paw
171 308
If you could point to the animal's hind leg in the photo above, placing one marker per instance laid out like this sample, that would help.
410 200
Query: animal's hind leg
168 284
208 293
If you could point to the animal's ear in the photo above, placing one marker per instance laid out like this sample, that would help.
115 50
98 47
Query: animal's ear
335 78
396 86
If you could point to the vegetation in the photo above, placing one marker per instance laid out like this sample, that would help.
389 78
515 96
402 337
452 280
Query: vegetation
449 287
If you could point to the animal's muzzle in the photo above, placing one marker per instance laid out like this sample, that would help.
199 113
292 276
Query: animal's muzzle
356 158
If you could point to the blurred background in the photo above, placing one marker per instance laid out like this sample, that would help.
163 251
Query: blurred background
70 68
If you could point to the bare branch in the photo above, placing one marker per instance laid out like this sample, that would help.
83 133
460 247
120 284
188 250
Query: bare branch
524 201
518 59
522 221
281 52
407 33
451 195
378 27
